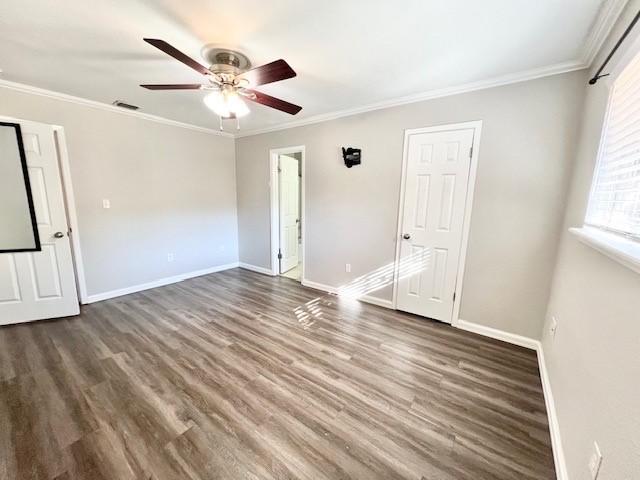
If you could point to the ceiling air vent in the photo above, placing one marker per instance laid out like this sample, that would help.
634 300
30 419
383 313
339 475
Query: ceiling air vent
128 106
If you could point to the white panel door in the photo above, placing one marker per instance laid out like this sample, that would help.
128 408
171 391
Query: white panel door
436 179
38 285
289 212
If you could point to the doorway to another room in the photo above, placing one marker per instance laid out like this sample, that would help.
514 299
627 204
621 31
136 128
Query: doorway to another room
287 207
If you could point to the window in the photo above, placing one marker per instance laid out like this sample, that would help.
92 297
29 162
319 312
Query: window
614 204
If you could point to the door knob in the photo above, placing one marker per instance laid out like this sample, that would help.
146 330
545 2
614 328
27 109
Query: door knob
58 235
406 236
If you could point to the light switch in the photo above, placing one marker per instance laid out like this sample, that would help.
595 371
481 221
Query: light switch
106 203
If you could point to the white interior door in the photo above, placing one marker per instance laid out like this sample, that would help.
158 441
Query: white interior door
289 212
38 285
436 180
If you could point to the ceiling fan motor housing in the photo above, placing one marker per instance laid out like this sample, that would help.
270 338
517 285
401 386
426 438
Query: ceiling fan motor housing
224 61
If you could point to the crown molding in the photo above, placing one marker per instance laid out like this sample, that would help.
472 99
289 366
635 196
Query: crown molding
21 87
427 95
607 16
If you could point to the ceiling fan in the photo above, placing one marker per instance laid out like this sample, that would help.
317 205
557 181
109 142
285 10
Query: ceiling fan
231 79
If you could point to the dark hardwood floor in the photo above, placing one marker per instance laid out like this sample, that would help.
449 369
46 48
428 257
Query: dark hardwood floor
237 375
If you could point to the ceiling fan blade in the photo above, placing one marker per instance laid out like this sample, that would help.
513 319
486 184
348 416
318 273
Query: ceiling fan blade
272 102
269 73
178 55
173 86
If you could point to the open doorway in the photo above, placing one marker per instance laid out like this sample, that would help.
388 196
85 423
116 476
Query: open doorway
287 212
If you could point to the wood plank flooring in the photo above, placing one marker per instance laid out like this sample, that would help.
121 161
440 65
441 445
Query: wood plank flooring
237 375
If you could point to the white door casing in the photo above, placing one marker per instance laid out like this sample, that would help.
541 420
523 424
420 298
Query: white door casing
39 285
289 187
432 216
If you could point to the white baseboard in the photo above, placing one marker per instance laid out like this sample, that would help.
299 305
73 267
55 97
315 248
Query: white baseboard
255 268
381 302
98 297
319 286
333 290
554 427
497 334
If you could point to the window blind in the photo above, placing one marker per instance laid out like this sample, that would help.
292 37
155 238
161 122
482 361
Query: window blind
615 195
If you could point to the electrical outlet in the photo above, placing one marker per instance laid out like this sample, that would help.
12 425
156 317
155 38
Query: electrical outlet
106 203
595 461
553 326
347 267
170 257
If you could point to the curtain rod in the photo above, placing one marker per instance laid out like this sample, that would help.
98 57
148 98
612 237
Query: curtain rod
598 75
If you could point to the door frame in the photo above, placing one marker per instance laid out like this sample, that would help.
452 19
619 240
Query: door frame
72 216
60 142
274 186
476 126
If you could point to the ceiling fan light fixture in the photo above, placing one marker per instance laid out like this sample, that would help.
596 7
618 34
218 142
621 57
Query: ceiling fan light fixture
237 105
215 101
226 104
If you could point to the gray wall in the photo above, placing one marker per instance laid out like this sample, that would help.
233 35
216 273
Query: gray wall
171 189
528 136
594 360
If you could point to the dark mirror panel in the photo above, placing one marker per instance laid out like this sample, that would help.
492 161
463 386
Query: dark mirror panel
18 229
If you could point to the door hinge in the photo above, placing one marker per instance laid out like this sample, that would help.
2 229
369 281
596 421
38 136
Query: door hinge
279 169
454 296
471 152
279 255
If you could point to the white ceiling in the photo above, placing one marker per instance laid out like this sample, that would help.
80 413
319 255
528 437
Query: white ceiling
347 53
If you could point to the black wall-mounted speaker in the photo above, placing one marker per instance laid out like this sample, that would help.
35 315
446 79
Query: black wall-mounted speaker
351 156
